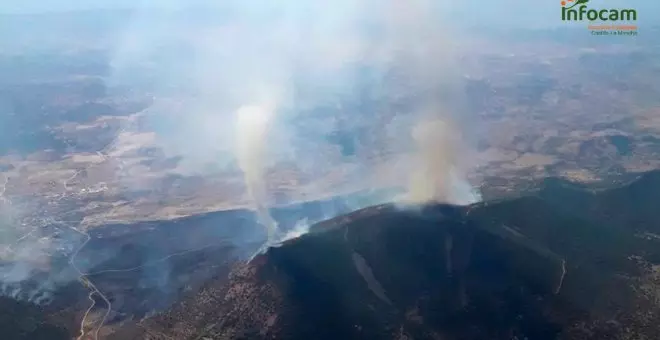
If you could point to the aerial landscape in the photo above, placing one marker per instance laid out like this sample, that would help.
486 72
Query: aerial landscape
361 170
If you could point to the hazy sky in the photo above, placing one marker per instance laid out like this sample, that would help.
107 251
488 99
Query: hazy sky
500 13
30 6
36 6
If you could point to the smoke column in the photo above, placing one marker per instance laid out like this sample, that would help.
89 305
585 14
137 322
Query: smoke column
420 46
252 130
434 162
437 175
309 63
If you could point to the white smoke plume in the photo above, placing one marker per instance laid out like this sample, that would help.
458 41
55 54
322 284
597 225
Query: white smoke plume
24 258
438 174
275 66
252 129
420 45
300 228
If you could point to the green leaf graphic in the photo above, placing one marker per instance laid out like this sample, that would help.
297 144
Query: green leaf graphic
578 2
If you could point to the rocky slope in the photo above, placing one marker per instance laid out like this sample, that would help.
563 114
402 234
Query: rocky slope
545 266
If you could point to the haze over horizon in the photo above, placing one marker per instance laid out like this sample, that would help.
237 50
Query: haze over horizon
500 14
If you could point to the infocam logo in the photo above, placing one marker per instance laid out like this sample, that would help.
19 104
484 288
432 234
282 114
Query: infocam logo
609 19
568 12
